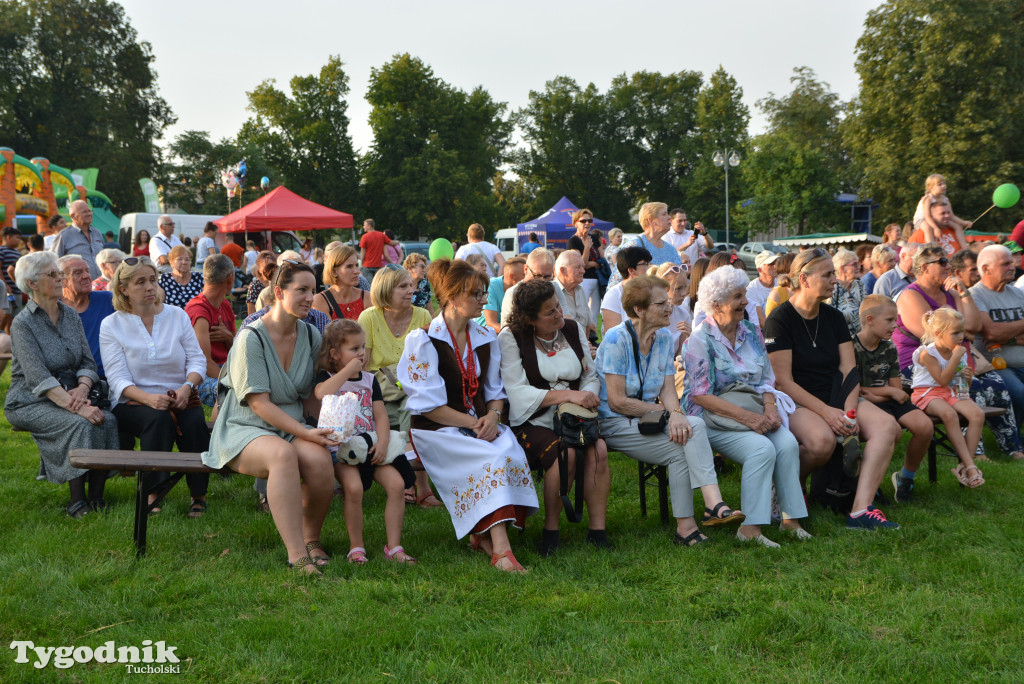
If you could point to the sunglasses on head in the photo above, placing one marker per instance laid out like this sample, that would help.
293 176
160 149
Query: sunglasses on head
684 268
293 262
392 267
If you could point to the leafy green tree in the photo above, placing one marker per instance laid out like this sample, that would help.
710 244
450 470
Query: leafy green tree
942 87
78 87
722 120
305 137
191 180
654 121
796 168
572 149
435 153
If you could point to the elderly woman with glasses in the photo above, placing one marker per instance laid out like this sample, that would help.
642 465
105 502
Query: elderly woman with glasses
811 353
451 372
883 260
848 292
108 260
51 375
729 384
935 286
180 284
634 363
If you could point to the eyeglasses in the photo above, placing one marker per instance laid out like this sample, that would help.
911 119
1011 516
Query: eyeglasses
942 262
538 275
56 275
585 220
164 225
478 294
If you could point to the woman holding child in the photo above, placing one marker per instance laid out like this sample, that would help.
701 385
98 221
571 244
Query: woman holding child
936 287
260 430
809 346
451 372
730 384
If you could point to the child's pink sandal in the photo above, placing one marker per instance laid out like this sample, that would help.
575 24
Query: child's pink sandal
398 555
357 556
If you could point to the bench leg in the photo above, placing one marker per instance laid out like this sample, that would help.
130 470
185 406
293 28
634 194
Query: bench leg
662 475
143 507
643 490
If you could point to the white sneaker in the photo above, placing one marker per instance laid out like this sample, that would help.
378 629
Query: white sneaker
800 533
760 539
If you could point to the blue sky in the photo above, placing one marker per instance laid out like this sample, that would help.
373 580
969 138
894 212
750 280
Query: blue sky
208 54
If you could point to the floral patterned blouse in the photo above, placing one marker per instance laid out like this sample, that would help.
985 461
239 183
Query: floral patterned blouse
421 295
712 362
848 300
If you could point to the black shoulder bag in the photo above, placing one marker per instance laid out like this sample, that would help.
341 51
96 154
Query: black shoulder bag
652 422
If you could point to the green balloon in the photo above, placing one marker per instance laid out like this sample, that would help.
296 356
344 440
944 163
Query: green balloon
1006 196
441 249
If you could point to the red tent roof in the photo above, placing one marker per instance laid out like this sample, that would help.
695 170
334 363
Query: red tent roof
282 209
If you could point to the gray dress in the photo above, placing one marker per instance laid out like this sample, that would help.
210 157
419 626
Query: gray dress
253 367
41 350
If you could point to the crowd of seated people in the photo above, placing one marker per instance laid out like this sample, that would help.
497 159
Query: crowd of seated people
800 377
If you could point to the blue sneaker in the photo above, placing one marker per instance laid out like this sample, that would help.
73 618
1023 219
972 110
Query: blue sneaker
873 520
903 489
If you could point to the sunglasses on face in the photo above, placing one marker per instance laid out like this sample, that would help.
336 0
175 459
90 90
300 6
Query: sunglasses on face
942 262
585 220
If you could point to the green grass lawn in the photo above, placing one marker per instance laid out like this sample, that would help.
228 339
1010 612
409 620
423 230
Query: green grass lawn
939 600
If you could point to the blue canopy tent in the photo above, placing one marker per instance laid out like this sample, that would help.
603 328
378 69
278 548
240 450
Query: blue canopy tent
554 227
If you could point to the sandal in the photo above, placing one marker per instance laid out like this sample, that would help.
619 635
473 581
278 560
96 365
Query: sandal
516 568
357 556
303 563
977 479
428 500
692 539
721 514
320 561
410 496
477 541
197 509
77 509
398 555
262 504
958 473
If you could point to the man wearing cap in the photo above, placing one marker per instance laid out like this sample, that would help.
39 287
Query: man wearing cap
81 238
162 244
762 285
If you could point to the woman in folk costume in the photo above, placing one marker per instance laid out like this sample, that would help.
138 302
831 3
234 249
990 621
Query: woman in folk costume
450 371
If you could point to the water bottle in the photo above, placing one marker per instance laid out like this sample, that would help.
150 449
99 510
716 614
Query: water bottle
961 386
851 420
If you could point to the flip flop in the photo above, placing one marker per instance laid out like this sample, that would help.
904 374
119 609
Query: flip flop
410 497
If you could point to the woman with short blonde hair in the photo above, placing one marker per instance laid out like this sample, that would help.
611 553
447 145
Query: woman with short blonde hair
180 284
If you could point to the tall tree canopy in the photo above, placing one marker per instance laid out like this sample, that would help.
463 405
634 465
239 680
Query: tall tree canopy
796 168
305 137
78 87
436 151
942 87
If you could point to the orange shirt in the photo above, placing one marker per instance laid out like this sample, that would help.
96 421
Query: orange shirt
947 239
235 252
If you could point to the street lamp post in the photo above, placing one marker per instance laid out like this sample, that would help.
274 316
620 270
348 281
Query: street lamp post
726 159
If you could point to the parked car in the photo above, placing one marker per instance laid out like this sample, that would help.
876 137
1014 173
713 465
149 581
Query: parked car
749 251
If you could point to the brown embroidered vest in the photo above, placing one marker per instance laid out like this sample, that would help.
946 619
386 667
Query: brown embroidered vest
448 369
528 354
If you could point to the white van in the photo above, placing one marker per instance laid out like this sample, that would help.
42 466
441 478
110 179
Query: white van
507 240
192 225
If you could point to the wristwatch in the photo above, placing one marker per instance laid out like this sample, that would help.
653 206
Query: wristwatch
191 385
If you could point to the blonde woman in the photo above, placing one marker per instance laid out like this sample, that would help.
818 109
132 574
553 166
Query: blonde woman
343 298
179 284
848 292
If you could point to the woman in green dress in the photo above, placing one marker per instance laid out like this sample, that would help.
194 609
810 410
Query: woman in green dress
260 430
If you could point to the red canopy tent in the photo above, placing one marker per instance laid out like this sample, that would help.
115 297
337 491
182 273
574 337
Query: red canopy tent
282 209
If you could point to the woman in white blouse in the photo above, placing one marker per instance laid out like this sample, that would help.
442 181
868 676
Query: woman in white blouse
153 364
545 360
451 373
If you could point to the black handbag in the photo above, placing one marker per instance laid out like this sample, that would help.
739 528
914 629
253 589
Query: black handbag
652 422
99 393
576 428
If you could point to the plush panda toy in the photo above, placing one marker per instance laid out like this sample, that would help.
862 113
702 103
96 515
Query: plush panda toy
355 450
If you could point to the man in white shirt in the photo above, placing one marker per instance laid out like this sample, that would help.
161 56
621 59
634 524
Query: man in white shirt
491 254
681 237
162 244
539 264
762 285
569 280
891 283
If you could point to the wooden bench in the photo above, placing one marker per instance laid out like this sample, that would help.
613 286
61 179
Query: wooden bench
142 462
941 439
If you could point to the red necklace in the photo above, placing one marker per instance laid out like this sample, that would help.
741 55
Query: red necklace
470 383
